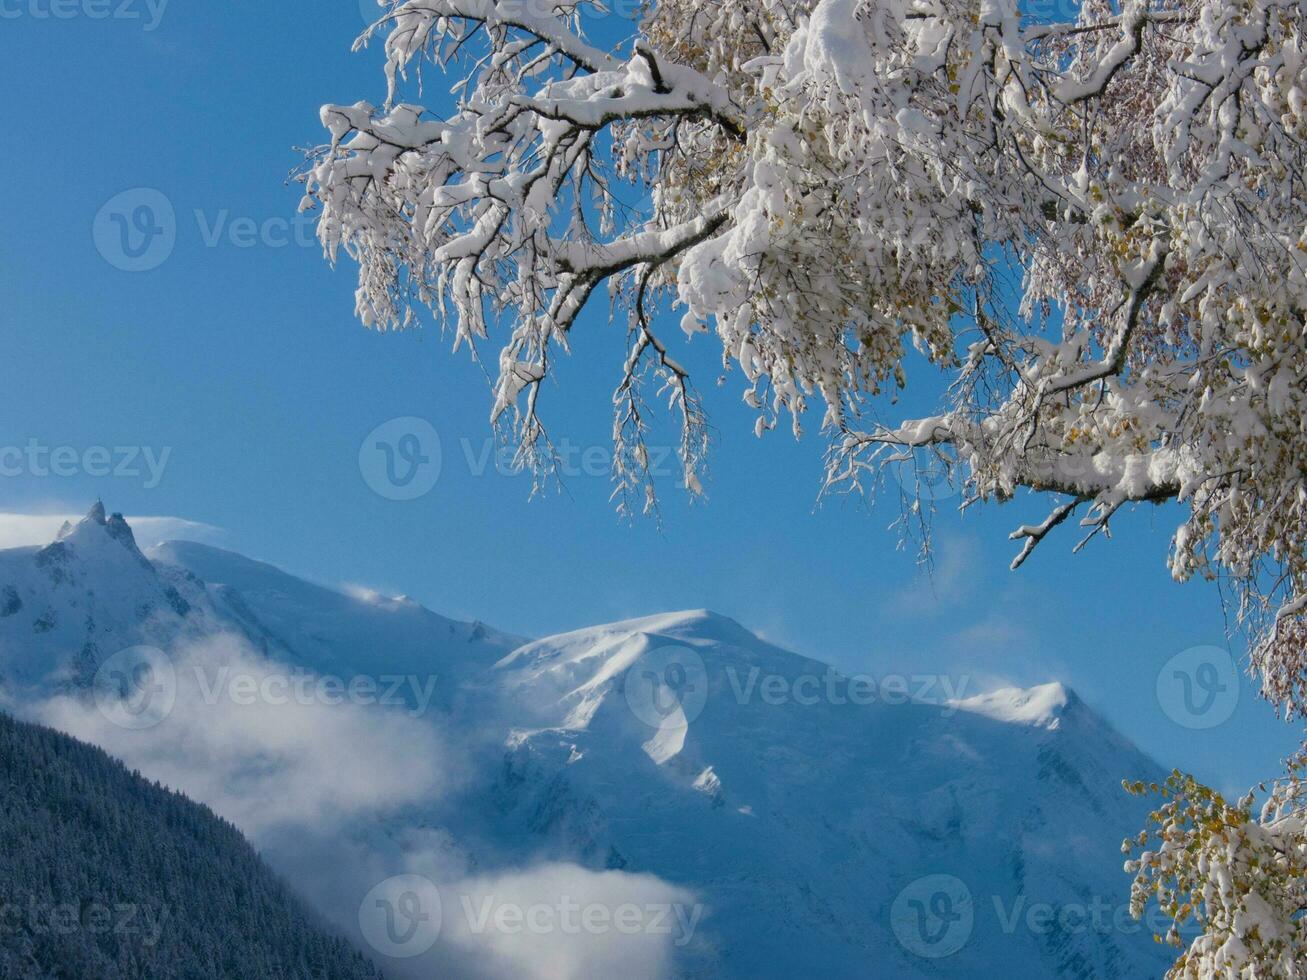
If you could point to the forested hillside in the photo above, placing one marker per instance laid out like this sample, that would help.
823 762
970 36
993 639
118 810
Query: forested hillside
104 874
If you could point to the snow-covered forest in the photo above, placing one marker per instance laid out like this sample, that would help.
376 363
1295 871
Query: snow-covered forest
105 874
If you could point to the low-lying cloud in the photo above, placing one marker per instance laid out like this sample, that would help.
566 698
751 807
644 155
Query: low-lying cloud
261 764
25 530
344 799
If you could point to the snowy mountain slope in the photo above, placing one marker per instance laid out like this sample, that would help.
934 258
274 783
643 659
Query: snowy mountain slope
804 821
67 606
829 827
87 594
334 632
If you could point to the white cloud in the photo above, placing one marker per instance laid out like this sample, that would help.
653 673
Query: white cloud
994 634
342 796
950 580
564 922
554 921
23 530
264 753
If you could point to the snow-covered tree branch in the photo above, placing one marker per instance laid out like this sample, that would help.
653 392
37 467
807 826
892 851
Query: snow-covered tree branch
1238 876
1098 229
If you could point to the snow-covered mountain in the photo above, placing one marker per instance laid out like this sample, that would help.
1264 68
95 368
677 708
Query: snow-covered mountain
805 821
90 592
67 606
827 827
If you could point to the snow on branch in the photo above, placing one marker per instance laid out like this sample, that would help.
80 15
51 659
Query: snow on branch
1096 229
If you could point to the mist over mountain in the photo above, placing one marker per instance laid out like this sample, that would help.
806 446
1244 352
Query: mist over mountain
764 815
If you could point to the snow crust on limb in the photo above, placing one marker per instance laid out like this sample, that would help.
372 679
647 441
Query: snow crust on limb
1236 871
834 183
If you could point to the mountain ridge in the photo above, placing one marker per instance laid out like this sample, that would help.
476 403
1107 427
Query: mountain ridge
801 804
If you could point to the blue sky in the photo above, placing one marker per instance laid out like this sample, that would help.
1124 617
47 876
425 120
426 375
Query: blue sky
239 357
